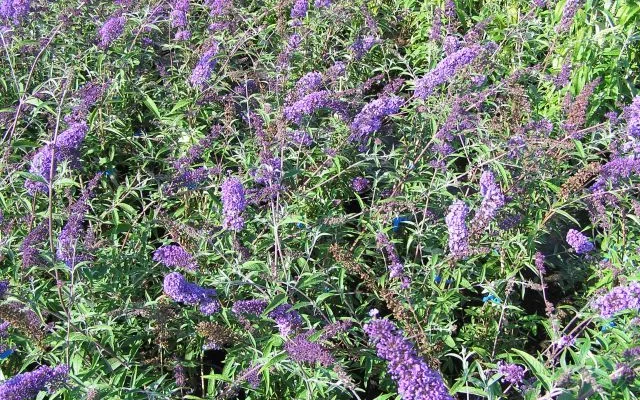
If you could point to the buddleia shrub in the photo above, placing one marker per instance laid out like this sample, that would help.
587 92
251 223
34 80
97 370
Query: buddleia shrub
319 200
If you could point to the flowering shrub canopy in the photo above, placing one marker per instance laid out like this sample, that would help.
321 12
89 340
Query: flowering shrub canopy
319 199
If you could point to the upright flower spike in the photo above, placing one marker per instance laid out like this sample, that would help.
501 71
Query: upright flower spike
568 14
632 116
4 288
300 138
178 15
362 45
308 83
67 248
512 374
233 204
579 242
492 201
457 227
299 9
43 164
576 110
360 184
416 381
562 79
435 33
287 319
202 71
219 7
111 30
85 98
30 253
68 143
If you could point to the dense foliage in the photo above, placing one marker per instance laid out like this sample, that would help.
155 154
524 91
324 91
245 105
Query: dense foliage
319 200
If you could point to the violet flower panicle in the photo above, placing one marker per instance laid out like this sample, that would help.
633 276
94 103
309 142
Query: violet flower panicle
175 256
111 30
396 267
369 119
14 10
177 288
632 116
458 231
302 350
446 70
67 248
619 299
579 242
416 381
233 204
27 385
203 69
312 102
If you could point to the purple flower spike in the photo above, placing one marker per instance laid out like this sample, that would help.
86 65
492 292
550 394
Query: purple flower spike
177 287
619 299
362 45
287 319
309 83
579 242
175 256
416 381
4 288
41 165
492 201
632 116
299 9
301 350
14 10
312 102
219 7
301 138
445 70
396 267
512 374
562 79
458 231
251 307
111 30
68 143
30 254
202 71
68 247
370 118
233 204
568 14
26 386
360 184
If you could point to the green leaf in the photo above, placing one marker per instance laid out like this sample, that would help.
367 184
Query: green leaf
536 368
151 105
277 300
